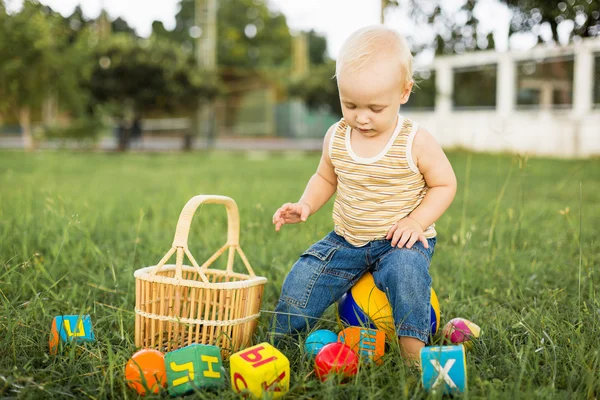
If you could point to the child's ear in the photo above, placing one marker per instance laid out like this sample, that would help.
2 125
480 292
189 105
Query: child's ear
406 92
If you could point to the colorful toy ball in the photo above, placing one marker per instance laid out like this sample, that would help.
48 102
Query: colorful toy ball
460 330
337 358
367 306
145 371
434 314
317 339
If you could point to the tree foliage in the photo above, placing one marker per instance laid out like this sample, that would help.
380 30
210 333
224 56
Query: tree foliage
319 88
459 31
38 60
147 75
456 31
317 48
249 34
530 15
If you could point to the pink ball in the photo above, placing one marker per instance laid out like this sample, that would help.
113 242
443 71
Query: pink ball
460 330
337 358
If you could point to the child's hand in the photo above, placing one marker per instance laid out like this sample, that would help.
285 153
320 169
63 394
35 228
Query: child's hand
405 233
291 213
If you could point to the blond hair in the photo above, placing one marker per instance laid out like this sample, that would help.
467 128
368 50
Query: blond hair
367 43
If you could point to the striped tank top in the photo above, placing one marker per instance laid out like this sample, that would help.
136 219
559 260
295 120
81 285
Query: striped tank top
375 193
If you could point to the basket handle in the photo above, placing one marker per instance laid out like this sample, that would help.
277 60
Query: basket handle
180 242
185 219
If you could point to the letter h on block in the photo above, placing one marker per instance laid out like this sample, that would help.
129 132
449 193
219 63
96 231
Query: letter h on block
259 369
368 343
445 368
193 366
67 328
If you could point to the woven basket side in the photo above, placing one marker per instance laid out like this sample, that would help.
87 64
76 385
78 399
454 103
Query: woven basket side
172 316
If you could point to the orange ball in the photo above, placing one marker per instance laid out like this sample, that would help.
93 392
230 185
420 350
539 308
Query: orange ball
145 370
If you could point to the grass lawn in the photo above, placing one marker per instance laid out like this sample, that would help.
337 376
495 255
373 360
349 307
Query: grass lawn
517 253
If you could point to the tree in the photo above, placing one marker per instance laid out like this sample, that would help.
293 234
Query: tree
317 48
530 15
119 25
137 76
319 88
159 30
37 60
249 34
457 32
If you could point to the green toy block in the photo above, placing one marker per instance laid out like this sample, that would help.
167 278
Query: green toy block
194 366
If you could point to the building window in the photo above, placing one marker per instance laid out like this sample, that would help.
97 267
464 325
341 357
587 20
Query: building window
475 87
423 95
597 80
545 83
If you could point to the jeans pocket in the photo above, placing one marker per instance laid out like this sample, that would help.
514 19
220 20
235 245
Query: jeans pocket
322 250
299 283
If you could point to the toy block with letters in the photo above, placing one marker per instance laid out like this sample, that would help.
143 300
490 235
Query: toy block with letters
444 368
194 366
368 343
259 369
68 328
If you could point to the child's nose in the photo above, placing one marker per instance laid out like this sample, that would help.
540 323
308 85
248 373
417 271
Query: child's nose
362 118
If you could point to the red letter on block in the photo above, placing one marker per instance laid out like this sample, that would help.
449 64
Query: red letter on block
275 382
257 358
237 376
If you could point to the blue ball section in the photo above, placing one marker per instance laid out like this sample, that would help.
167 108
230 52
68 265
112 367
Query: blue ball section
351 314
433 319
317 339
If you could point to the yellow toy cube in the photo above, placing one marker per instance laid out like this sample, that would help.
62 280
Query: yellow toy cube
259 369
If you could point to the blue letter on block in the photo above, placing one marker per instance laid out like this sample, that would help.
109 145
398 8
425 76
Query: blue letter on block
444 367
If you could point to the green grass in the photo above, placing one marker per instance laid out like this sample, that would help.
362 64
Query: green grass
517 253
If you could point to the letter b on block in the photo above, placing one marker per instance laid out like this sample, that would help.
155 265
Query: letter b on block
258 369
444 368
196 365
67 328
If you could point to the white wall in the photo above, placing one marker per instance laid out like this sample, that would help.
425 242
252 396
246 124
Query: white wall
572 132
554 133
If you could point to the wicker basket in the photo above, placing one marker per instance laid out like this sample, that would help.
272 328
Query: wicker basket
177 305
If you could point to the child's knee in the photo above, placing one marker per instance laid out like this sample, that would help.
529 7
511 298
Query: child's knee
403 268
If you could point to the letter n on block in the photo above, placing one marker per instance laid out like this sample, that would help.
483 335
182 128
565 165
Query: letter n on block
258 369
368 343
67 328
193 366
444 368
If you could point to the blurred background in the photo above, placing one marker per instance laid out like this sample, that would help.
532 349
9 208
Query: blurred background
176 75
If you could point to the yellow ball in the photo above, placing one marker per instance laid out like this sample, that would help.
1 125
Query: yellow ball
365 305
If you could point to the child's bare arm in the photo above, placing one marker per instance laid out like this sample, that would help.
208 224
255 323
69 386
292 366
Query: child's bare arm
321 186
441 181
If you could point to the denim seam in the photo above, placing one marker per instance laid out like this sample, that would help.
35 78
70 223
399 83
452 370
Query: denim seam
323 257
337 273
308 292
333 242
406 327
416 333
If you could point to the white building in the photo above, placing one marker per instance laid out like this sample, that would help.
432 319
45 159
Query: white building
557 114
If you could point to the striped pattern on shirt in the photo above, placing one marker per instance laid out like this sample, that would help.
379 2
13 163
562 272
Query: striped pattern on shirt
373 194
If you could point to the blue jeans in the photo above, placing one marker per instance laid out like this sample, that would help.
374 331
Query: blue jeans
330 267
